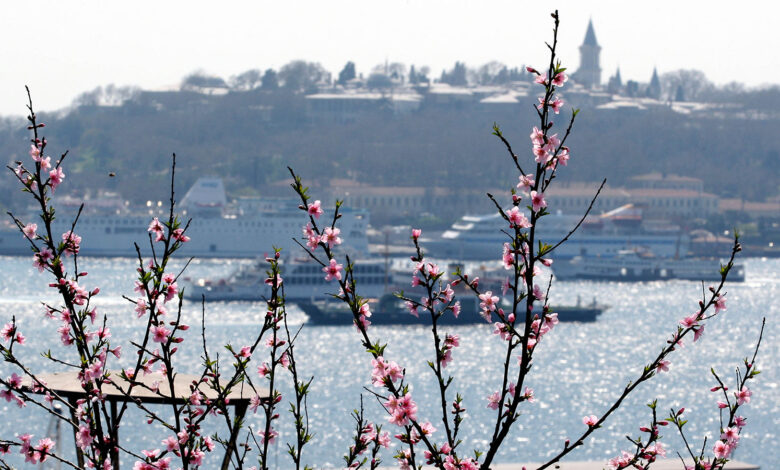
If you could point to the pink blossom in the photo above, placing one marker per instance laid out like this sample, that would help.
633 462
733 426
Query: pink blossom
697 333
171 443
721 450
263 370
8 331
517 219
29 230
740 422
456 309
416 232
55 177
71 243
563 156
179 235
590 420
488 301
160 334
43 449
35 152
537 139
83 437
556 105
41 259
541 155
559 79
743 396
315 210
413 309
537 201
663 366
448 294
45 163
690 321
401 409
541 80
526 182
538 292
722 405
331 237
333 270
730 434
157 229
720 303
494 400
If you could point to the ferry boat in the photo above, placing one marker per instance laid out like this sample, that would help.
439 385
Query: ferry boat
302 278
637 266
247 228
482 237
390 310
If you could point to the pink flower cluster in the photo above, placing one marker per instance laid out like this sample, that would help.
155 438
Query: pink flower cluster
71 243
487 304
157 229
401 409
10 332
450 342
384 372
330 236
14 383
541 327
333 270
37 454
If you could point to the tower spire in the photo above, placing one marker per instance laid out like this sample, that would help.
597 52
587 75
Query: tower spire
589 72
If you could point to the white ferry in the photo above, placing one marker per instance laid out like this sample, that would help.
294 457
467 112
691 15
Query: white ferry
302 279
251 227
637 266
482 237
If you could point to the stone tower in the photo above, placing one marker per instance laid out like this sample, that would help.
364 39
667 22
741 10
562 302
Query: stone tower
589 73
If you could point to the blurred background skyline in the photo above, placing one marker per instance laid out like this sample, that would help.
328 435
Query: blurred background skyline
62 49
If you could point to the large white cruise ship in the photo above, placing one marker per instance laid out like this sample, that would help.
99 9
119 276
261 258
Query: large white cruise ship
481 237
249 228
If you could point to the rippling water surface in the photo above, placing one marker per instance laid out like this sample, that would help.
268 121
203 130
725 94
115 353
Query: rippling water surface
579 368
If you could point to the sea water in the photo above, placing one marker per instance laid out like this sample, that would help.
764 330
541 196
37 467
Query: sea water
579 368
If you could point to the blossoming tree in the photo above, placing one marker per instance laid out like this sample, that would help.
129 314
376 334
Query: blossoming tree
522 319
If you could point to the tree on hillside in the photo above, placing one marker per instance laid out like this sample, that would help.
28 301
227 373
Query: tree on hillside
492 73
200 79
456 76
692 83
417 77
248 80
109 95
270 80
302 76
347 73
379 80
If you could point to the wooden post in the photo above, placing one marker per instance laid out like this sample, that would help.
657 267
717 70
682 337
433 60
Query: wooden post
241 407
114 431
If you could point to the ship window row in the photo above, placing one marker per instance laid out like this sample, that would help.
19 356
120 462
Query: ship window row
309 280
359 269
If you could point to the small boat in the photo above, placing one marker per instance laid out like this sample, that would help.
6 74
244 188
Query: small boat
390 310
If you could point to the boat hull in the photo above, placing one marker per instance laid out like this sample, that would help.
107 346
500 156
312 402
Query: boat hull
391 313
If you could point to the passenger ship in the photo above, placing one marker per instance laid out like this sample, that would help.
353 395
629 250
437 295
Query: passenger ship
251 227
482 237
302 279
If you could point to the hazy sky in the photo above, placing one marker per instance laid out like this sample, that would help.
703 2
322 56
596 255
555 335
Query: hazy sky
63 48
